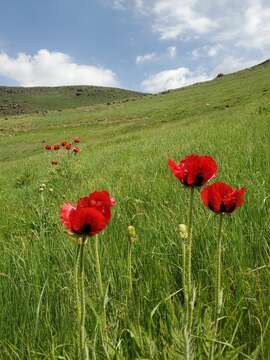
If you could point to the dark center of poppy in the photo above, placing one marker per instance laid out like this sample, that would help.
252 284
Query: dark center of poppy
86 229
199 180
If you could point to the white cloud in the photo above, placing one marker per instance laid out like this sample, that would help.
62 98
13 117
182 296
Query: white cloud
171 50
146 58
232 64
170 53
207 51
47 68
172 79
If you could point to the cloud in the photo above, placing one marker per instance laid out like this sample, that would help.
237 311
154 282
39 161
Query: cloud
47 68
172 79
232 64
146 58
171 50
170 53
207 51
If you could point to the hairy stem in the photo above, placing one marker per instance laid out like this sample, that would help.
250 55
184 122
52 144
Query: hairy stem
218 289
188 271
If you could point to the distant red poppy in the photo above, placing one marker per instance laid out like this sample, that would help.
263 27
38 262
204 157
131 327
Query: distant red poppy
54 162
91 215
194 170
77 140
56 147
76 150
68 146
64 143
222 198
47 147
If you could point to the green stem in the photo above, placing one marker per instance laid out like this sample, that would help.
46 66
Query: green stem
101 291
99 277
218 290
130 267
189 295
83 347
78 304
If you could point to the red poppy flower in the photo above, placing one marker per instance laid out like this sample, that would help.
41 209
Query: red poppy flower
222 198
91 215
54 162
194 170
68 146
64 143
76 150
48 147
77 140
56 147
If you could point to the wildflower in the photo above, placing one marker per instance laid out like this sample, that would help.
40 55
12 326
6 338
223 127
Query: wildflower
64 143
48 147
76 150
56 147
68 146
54 162
77 140
222 198
194 170
90 216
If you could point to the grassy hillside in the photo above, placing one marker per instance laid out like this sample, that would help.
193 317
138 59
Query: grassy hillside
124 148
19 100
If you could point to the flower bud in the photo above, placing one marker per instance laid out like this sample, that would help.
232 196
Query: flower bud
183 231
131 233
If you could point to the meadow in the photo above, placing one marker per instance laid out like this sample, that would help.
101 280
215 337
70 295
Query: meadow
124 149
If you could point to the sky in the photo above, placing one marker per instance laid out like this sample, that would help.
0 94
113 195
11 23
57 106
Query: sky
144 45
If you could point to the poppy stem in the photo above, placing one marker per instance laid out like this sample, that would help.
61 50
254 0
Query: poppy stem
83 346
101 293
218 289
99 277
188 260
130 267
78 304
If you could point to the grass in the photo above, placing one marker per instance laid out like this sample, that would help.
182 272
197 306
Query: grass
125 148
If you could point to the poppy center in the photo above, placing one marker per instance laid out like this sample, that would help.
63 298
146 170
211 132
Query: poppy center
199 179
86 229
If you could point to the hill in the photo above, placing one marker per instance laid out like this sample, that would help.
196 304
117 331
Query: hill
124 149
20 100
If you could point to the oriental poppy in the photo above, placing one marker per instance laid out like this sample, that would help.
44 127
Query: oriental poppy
222 198
64 143
56 147
48 147
76 150
90 216
68 146
194 170
77 140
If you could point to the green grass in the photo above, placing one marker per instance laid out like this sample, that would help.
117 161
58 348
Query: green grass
17 100
125 148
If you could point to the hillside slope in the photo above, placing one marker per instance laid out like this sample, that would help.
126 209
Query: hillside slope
19 100
124 149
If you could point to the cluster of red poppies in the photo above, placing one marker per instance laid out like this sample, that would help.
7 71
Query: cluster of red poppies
70 147
92 213
196 170
65 145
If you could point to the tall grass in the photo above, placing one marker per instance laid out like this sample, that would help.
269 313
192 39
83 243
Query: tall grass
128 157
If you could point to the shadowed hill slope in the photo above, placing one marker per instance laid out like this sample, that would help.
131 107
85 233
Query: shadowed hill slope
19 100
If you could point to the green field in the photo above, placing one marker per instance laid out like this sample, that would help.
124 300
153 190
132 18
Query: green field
125 148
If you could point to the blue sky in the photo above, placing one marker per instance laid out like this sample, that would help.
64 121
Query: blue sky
146 45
